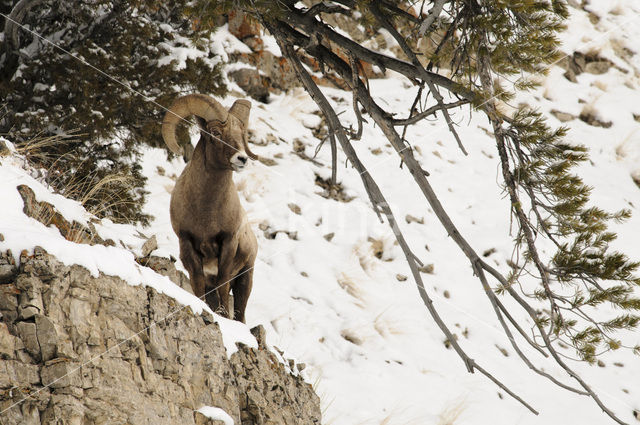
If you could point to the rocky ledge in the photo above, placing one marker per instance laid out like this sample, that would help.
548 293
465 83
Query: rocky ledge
78 349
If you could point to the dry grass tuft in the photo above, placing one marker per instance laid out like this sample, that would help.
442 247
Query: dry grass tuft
34 150
351 336
349 284
600 84
374 249
622 149
387 327
97 198
452 413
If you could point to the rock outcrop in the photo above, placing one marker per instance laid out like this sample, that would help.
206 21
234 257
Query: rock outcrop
78 349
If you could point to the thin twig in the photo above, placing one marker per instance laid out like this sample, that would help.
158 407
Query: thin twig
382 19
430 111
434 13
354 82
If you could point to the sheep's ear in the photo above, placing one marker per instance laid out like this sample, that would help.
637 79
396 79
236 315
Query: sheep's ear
240 110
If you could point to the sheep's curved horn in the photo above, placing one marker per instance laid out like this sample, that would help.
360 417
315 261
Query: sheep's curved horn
199 105
241 109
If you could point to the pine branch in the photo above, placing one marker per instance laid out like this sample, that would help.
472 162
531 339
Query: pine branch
312 26
493 116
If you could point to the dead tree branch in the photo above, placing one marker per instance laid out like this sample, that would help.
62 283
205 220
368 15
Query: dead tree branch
434 13
430 111
379 202
385 23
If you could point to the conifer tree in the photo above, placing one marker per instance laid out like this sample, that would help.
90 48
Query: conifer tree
92 73
468 49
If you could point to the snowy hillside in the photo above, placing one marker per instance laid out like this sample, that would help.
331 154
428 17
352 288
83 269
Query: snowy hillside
333 290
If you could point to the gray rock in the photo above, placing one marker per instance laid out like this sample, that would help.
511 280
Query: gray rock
7 343
563 116
7 271
47 337
254 84
9 301
598 67
149 246
261 335
27 332
14 373
101 351
57 374
28 312
166 267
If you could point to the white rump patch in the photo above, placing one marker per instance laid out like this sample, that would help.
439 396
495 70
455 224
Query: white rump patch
211 267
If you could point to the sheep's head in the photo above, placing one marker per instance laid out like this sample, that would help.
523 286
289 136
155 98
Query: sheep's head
226 131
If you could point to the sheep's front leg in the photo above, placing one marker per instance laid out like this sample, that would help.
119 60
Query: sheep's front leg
228 249
210 261
192 261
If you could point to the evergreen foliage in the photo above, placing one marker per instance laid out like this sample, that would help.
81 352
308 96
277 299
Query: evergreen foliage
503 39
49 91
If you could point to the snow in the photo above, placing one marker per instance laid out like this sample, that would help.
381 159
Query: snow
372 351
216 413
270 44
223 42
182 49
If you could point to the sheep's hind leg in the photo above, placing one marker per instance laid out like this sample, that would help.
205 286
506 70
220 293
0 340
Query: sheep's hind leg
241 289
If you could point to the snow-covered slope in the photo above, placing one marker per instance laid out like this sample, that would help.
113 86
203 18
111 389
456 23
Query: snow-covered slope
326 298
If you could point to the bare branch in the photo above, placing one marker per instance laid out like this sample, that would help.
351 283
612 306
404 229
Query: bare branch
432 110
492 113
414 60
494 303
324 7
12 23
407 69
354 82
377 198
334 159
435 11
400 12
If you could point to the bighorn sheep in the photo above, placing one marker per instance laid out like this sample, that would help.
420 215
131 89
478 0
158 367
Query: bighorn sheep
217 246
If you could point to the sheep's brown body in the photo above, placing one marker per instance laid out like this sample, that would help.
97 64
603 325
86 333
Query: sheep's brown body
217 246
